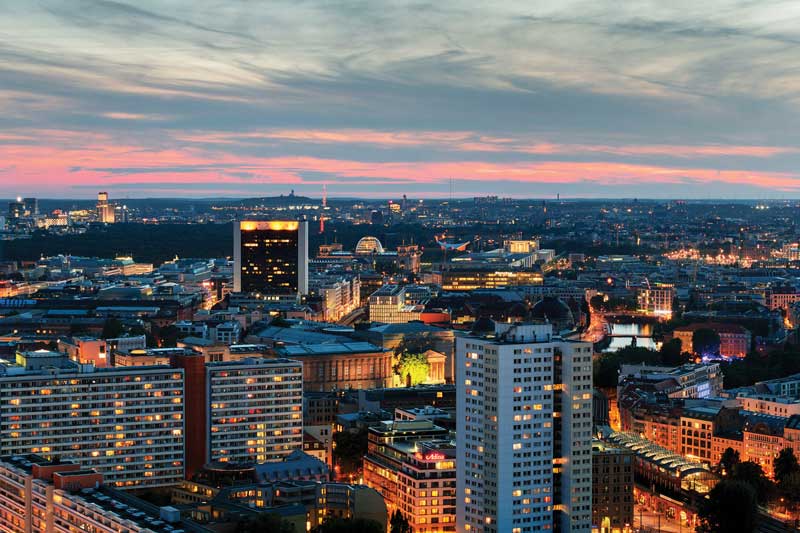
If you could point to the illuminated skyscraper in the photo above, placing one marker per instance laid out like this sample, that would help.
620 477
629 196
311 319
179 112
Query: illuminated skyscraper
105 211
270 257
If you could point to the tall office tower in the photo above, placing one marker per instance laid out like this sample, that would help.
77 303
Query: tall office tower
270 257
16 209
105 211
30 206
125 422
524 442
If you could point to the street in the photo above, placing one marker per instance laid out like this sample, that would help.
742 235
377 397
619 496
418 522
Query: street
650 521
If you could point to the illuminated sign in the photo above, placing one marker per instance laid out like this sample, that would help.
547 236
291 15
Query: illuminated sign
430 456
274 225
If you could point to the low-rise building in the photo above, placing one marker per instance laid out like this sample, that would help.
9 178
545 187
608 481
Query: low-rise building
49 496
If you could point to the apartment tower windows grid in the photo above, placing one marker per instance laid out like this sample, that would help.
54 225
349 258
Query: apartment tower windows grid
524 407
255 409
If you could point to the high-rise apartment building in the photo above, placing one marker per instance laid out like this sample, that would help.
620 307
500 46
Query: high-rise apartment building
255 409
270 257
524 441
125 422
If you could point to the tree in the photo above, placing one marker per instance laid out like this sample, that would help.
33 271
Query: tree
112 329
265 523
752 474
671 353
706 342
785 465
349 450
412 368
728 461
399 524
731 507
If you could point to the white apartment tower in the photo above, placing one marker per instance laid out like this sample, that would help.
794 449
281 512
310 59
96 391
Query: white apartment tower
524 443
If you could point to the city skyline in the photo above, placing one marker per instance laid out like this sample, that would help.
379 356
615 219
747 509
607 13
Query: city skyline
582 100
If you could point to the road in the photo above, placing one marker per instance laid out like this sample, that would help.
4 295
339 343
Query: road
652 523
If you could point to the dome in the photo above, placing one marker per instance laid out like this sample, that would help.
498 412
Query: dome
369 245
555 311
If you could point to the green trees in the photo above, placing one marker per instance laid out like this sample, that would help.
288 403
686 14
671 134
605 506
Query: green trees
787 475
606 367
412 368
785 465
728 461
349 450
731 507
399 524
672 353
752 474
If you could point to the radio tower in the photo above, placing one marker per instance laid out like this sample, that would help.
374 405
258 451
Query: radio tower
324 205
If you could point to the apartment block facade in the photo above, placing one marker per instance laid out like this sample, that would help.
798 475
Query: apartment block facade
524 409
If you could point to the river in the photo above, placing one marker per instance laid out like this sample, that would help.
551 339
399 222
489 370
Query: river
623 334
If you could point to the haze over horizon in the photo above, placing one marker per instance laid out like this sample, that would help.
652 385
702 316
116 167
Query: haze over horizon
531 99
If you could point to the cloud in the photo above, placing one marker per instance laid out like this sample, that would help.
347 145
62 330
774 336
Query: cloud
599 94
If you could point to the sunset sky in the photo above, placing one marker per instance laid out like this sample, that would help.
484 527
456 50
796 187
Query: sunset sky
679 99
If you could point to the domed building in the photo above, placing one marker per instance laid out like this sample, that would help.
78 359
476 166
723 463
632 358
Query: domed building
553 310
369 245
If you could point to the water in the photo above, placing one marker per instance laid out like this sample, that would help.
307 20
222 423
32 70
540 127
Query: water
623 334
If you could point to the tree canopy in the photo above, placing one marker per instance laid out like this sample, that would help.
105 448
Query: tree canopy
706 342
731 507
412 368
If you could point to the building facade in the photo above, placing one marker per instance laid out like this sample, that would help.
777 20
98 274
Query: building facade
254 410
270 257
612 488
524 412
127 423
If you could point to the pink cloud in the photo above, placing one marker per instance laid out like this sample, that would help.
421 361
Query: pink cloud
65 159
467 141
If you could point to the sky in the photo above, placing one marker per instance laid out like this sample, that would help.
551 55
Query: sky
226 98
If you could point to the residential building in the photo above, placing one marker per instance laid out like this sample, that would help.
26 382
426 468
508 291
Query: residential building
656 301
411 463
57 408
254 409
612 487
524 441
54 496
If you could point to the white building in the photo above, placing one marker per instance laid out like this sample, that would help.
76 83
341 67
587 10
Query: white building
524 408
125 422
395 304
255 409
